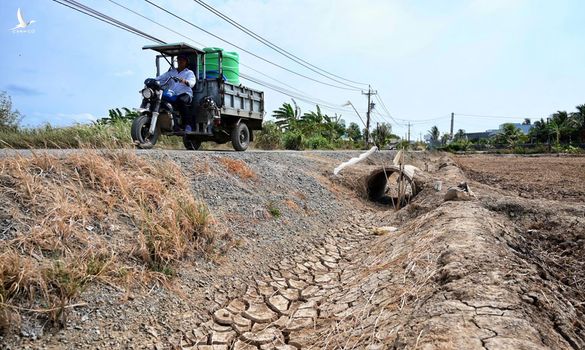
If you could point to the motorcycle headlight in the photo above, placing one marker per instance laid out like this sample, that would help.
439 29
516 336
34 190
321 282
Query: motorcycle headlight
146 92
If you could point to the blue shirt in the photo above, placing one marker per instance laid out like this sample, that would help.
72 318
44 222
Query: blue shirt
178 87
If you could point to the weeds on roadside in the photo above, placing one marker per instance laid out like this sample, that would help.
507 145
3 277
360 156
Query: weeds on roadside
106 216
274 210
238 168
111 135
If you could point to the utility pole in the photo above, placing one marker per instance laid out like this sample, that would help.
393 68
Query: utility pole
452 119
369 93
409 132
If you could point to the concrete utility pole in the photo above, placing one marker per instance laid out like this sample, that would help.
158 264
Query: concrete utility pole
408 132
369 93
452 119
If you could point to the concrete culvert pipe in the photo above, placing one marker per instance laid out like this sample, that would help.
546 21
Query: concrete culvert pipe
383 185
390 186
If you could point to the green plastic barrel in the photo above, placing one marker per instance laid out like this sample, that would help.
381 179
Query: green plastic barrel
230 64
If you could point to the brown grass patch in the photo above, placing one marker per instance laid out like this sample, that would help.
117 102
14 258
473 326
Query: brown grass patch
91 216
292 205
237 167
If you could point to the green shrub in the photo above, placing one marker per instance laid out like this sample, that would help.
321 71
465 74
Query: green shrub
270 137
404 144
347 144
458 146
567 149
274 210
293 140
519 150
317 142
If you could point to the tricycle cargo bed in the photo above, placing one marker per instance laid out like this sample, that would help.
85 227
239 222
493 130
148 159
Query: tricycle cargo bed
234 101
241 101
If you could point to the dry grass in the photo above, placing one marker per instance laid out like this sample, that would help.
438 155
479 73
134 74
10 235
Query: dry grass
91 216
238 168
292 205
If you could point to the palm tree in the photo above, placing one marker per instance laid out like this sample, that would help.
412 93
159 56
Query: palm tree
445 138
353 132
313 117
460 135
313 123
434 134
333 127
286 117
579 121
560 124
510 135
539 131
382 134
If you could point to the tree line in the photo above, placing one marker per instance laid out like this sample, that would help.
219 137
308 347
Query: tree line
562 130
316 130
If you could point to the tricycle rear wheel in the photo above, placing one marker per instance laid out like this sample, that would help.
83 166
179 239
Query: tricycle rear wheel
240 137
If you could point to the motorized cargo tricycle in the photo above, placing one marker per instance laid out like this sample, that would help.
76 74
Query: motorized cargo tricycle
219 110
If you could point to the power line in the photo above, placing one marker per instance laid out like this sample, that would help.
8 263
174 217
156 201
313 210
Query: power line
248 77
494 116
105 18
153 21
247 51
277 48
109 20
387 111
289 93
196 42
423 121
400 126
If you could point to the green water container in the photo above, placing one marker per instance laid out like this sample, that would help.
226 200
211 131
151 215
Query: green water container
230 64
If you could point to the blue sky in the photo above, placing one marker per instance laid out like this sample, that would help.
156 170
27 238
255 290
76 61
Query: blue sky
510 58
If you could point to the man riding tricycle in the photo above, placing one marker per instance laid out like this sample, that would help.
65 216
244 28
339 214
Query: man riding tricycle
199 100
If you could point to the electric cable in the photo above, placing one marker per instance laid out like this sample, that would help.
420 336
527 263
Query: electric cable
247 51
104 18
196 42
275 47
307 99
109 20
494 116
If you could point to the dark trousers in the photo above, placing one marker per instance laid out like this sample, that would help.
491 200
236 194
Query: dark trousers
182 101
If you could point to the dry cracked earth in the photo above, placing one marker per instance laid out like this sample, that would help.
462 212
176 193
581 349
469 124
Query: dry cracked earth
452 275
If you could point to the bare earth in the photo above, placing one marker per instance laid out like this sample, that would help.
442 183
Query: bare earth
556 178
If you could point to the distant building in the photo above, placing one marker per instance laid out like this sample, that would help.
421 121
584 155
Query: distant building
476 136
525 128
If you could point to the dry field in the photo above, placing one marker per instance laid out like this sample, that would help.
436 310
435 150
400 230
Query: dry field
555 178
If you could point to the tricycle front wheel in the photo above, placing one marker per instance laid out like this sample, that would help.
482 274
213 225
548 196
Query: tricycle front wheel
140 132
